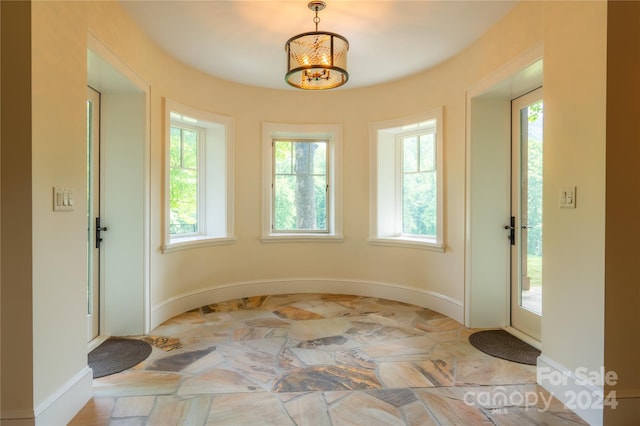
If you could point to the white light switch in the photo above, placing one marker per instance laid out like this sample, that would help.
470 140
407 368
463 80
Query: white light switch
568 197
62 199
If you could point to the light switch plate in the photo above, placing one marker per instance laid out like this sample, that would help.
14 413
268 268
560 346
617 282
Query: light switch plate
62 199
568 197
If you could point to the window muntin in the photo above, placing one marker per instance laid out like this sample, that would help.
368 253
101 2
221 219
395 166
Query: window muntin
300 186
184 180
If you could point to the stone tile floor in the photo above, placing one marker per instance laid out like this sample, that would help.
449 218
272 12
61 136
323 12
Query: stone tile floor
319 359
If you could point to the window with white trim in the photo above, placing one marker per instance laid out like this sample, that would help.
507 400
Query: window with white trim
301 182
407 182
199 179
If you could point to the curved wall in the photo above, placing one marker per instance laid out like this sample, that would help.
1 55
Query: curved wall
259 268
574 37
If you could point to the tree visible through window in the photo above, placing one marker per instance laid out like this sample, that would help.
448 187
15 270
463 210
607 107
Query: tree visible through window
300 186
184 181
534 178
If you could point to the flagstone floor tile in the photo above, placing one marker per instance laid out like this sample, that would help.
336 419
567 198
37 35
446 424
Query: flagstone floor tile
416 414
309 409
134 406
451 411
174 410
364 409
420 374
254 409
318 359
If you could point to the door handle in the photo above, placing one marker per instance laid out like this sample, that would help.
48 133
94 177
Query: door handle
512 230
98 230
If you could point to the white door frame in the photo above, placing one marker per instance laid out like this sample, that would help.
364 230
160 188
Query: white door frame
487 203
125 180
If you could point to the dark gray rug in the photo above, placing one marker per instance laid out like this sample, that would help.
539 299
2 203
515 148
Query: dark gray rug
503 345
115 355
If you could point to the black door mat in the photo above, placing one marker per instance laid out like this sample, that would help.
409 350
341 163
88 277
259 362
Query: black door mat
503 345
116 354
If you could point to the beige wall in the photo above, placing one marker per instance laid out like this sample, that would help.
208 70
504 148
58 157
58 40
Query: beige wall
58 159
574 154
574 35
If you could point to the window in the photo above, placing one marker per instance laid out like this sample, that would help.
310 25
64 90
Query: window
184 185
419 190
301 182
406 199
199 180
300 186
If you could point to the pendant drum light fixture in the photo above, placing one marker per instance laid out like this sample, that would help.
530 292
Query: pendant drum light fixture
317 60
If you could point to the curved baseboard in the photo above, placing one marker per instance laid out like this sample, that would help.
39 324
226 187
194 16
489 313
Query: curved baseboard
446 305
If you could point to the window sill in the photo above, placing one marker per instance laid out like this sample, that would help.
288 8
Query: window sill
417 243
187 243
302 238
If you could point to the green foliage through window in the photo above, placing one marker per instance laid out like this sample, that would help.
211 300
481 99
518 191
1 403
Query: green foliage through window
183 180
534 178
300 185
419 185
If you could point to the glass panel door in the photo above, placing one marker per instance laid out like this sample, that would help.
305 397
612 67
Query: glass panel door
526 253
93 211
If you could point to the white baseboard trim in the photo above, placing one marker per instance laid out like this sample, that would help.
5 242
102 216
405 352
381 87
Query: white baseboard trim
579 395
446 305
61 406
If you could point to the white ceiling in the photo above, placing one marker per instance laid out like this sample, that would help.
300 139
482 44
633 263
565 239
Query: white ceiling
243 41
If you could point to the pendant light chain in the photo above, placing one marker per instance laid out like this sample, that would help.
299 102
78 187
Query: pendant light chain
316 20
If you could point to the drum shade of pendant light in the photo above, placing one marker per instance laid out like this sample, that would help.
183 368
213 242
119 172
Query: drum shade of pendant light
317 60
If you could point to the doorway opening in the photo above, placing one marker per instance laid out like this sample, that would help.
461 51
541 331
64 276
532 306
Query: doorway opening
488 191
119 181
